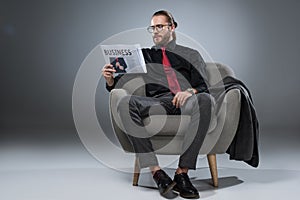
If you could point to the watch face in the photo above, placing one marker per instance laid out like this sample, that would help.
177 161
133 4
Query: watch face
190 90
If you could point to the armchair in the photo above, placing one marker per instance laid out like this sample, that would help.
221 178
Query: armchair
167 138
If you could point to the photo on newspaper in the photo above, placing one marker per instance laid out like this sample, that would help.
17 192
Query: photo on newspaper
125 58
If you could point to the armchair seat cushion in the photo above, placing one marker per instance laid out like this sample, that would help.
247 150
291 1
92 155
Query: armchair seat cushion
167 125
171 125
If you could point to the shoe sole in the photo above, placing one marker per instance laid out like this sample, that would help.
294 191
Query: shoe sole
187 196
190 197
169 188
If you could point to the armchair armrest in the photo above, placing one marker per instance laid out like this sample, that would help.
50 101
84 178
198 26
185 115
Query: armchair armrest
114 98
229 126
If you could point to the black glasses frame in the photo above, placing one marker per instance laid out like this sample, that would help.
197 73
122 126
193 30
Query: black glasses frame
158 27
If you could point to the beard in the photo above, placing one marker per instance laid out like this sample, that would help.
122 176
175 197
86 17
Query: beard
162 39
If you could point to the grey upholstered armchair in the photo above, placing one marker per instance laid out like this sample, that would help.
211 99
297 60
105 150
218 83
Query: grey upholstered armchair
220 134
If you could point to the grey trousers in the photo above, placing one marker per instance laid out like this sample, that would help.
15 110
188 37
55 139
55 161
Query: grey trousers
133 109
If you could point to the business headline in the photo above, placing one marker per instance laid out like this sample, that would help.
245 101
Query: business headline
117 52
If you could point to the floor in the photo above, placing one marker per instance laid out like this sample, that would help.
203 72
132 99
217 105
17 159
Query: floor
39 168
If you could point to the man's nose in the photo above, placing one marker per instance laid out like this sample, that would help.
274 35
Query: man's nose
155 31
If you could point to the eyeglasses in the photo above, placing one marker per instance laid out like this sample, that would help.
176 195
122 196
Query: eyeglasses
158 27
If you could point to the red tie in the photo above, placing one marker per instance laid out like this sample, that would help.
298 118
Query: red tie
171 76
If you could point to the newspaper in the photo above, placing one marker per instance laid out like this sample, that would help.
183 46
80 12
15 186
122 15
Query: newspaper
125 58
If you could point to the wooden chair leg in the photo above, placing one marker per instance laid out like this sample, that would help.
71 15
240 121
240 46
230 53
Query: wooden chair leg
136 173
212 162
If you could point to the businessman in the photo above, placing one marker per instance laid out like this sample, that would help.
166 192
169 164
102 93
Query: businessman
175 80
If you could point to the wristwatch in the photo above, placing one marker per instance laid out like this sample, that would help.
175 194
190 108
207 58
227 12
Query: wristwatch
190 90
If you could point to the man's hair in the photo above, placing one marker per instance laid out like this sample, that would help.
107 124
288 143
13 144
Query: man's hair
169 17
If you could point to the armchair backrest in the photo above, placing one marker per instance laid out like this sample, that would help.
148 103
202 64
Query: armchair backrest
215 72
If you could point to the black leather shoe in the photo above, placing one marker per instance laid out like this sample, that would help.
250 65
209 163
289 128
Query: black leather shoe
185 187
164 182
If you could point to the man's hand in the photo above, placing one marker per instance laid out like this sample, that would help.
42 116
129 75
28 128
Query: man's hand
180 98
121 67
108 73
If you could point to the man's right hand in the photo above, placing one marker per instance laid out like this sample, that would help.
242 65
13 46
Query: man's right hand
108 73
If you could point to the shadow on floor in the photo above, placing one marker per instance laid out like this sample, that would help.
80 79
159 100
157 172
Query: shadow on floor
228 177
206 184
224 182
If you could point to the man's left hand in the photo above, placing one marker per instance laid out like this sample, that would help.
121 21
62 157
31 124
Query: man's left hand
180 98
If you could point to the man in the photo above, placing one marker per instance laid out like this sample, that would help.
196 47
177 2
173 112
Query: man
175 80
118 64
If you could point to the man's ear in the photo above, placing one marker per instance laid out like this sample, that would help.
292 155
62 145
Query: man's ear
172 28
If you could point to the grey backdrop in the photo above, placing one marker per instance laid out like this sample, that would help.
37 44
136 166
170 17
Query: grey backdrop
43 43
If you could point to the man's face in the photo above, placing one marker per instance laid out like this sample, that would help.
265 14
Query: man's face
165 36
